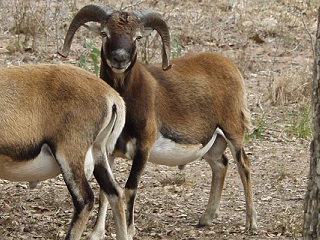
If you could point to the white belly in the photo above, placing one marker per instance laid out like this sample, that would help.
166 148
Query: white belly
43 167
167 152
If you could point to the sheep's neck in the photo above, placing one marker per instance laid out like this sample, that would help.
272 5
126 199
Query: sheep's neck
118 81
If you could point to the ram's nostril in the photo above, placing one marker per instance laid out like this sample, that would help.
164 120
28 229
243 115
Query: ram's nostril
119 59
121 55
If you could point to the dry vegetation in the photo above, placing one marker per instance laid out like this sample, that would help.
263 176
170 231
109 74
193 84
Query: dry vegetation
271 41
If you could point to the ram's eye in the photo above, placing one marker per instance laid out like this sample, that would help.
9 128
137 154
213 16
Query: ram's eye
103 34
138 38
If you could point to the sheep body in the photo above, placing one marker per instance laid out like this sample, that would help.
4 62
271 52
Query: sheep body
199 102
194 109
60 119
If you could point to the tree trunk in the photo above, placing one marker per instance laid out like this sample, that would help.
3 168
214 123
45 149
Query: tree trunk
311 225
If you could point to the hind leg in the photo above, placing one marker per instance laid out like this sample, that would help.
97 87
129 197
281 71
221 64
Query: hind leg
72 168
111 192
243 165
219 166
99 227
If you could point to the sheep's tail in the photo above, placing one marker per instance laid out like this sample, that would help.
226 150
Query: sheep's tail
117 122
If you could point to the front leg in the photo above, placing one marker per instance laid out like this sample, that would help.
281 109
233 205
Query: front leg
138 165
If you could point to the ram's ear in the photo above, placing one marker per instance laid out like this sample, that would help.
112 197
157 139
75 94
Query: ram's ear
95 28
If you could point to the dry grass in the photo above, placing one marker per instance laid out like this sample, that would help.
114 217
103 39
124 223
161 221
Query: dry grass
270 41
291 86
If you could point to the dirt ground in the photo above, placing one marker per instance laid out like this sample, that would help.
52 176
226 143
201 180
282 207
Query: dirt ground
271 42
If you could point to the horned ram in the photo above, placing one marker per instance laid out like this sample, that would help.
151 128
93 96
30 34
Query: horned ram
176 113
61 119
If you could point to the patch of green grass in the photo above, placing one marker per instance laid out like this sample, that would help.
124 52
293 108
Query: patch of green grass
258 128
176 48
91 54
301 123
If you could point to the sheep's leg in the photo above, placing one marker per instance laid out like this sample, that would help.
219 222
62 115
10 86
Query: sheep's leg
99 227
138 165
219 166
111 161
80 191
103 173
130 195
243 165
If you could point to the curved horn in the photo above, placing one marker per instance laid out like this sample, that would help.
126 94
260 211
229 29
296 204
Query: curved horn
89 13
154 20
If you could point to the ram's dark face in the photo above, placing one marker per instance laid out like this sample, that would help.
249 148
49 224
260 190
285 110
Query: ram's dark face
119 41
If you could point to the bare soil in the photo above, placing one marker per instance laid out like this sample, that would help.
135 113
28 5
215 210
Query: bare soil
271 42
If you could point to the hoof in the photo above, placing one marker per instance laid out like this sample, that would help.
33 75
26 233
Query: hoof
181 167
252 228
202 225
33 185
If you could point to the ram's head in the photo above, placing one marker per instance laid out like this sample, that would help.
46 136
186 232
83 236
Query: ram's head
120 31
